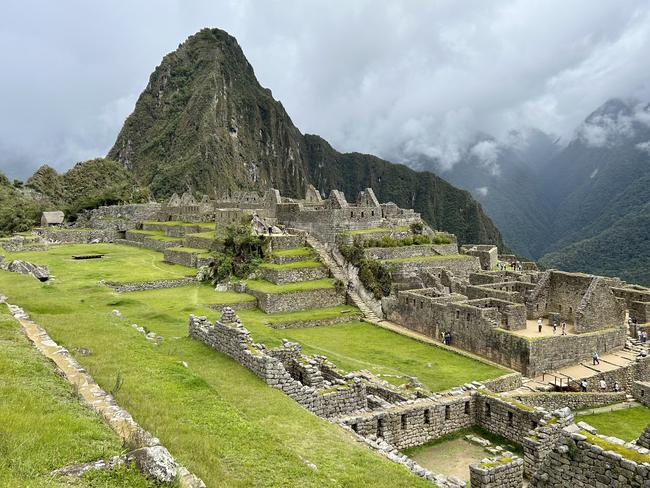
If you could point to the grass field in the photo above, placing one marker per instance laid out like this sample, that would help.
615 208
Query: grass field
294 265
268 287
295 251
43 426
215 416
626 424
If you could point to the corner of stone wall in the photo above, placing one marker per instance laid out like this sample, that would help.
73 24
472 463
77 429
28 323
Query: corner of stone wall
502 472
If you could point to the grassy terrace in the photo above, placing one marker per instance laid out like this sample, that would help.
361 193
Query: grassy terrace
296 251
268 287
417 259
209 234
373 230
294 265
626 424
215 416
44 426
147 232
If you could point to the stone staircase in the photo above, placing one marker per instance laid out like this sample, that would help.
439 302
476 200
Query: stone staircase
340 274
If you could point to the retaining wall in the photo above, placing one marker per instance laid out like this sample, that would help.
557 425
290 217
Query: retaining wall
293 275
297 301
497 473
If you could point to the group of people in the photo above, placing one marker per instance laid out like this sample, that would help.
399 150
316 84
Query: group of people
602 384
540 323
643 336
446 338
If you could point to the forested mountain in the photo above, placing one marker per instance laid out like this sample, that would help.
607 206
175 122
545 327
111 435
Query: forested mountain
581 207
204 122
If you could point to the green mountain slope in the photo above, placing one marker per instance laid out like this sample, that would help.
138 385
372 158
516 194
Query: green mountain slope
204 122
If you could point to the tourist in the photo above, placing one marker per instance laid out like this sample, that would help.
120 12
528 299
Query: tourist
448 338
350 285
644 336
583 386
539 325
603 385
594 358
554 327
617 387
563 328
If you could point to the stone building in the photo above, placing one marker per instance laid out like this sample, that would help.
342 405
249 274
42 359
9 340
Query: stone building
52 218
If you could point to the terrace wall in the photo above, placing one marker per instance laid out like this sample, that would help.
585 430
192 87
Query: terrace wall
460 268
76 235
234 340
293 275
297 300
499 474
574 462
575 401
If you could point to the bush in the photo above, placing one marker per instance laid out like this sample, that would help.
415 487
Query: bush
242 255
374 276
441 239
417 228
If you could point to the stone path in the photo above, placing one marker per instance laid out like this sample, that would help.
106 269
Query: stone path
99 400
339 273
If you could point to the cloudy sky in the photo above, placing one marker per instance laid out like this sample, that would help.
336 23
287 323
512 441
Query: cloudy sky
395 79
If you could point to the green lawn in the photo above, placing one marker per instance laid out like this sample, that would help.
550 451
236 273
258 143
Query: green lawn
294 265
417 259
268 287
295 251
210 234
147 232
215 416
626 424
360 345
43 425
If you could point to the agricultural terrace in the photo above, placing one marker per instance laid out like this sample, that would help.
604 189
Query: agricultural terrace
215 416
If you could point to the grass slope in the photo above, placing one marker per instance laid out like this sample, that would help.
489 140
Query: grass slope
43 426
626 424
268 287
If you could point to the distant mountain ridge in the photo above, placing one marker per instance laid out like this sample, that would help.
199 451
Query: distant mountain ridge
204 122
583 207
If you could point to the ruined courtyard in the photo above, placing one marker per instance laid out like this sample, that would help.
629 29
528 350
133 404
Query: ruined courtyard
303 368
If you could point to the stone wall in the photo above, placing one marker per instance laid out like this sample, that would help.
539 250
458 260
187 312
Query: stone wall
460 268
406 251
539 443
641 392
575 401
293 275
416 423
118 217
644 438
488 255
76 235
505 417
231 338
149 285
499 472
503 383
576 462
296 301
200 242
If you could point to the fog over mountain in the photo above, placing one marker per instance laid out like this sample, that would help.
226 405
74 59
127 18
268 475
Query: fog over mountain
410 82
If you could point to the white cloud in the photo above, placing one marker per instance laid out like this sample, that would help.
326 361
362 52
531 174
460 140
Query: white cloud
644 146
608 129
487 154
482 190
398 79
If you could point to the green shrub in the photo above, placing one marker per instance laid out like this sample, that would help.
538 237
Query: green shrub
441 239
374 275
417 228
243 253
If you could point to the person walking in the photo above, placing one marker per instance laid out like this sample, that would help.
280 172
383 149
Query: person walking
563 328
594 358
603 385
583 386
539 325
554 327
617 387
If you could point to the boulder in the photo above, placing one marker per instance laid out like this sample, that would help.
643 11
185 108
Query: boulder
156 463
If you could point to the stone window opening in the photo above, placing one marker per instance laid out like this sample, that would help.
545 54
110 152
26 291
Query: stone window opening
427 416
361 214
468 317
380 427
488 410
421 304
355 427
537 307
560 307
534 424
372 213
403 421
351 214
466 408
570 310
510 418
447 412
457 314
